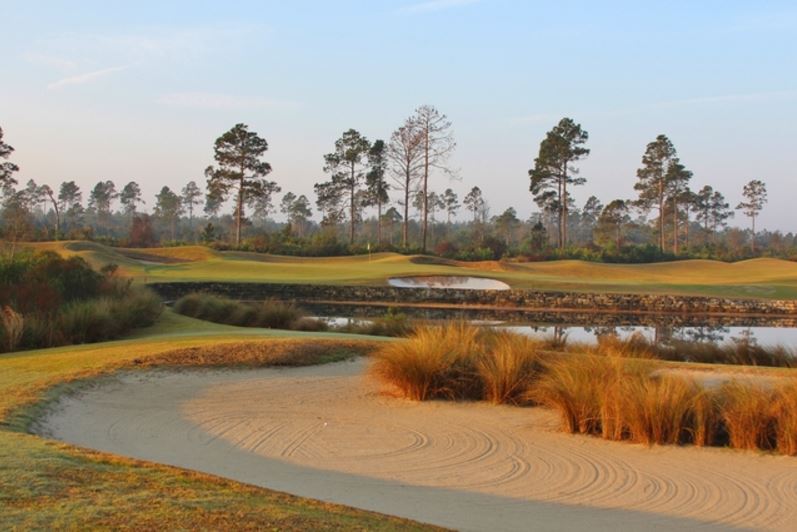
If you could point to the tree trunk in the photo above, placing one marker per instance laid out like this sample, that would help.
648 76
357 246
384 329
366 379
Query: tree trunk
351 206
239 210
379 220
661 214
425 186
752 241
564 207
405 228
674 226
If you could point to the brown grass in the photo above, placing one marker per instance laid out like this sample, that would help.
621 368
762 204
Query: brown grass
785 411
658 410
508 365
281 352
748 415
435 361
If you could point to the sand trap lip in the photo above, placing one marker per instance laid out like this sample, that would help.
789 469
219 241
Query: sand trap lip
325 432
460 282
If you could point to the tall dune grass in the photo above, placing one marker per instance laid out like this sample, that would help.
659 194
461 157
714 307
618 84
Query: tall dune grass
785 411
747 412
507 366
433 362
614 392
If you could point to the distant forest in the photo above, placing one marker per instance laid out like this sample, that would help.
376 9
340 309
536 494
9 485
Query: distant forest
390 195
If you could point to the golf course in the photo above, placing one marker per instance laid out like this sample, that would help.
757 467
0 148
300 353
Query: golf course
756 278
57 471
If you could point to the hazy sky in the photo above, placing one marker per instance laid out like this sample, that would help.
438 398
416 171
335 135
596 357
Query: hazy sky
140 90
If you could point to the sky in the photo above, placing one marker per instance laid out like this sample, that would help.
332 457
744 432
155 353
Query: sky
140 90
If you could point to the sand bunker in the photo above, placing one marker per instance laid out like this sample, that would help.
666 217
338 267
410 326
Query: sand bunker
448 281
326 432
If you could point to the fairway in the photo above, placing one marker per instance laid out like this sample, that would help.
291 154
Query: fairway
756 278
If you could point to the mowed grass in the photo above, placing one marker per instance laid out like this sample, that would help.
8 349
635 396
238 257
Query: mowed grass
757 278
45 484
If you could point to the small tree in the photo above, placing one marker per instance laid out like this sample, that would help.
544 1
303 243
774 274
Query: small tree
100 201
376 186
755 196
437 144
191 197
70 198
346 168
659 157
506 223
297 210
7 169
475 203
451 204
130 198
168 208
261 201
405 158
238 154
50 194
611 222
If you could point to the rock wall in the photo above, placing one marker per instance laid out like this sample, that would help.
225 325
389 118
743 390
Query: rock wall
515 299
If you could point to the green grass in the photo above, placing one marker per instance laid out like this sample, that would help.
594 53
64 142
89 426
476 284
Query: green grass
47 484
757 278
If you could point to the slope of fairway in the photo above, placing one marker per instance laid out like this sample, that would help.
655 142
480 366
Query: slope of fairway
757 278
48 485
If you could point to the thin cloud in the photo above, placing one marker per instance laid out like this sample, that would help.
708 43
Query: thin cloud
215 101
434 5
82 79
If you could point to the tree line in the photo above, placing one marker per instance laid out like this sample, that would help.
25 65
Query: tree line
381 193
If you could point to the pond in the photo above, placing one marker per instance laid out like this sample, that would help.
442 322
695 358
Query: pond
448 281
586 327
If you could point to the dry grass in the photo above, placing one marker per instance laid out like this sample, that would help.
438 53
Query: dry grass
748 415
508 365
658 410
573 385
785 411
433 362
283 352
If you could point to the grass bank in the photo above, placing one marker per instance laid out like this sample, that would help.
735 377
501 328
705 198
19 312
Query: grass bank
47 484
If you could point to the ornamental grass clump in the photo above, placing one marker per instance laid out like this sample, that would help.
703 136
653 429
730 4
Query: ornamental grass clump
508 365
434 362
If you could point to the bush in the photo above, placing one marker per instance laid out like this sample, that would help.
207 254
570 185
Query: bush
508 365
433 362
268 314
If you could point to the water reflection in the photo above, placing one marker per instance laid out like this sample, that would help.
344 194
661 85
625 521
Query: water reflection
586 327
665 334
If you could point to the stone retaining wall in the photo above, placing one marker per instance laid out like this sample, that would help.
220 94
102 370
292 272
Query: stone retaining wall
521 299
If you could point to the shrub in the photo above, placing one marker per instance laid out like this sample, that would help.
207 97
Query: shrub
658 409
13 326
507 366
785 411
574 385
433 362
268 314
748 415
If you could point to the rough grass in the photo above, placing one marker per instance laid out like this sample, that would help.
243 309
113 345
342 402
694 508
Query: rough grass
760 278
49 485
268 314
433 362
507 367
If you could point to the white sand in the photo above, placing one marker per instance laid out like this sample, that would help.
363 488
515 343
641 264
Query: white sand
325 432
